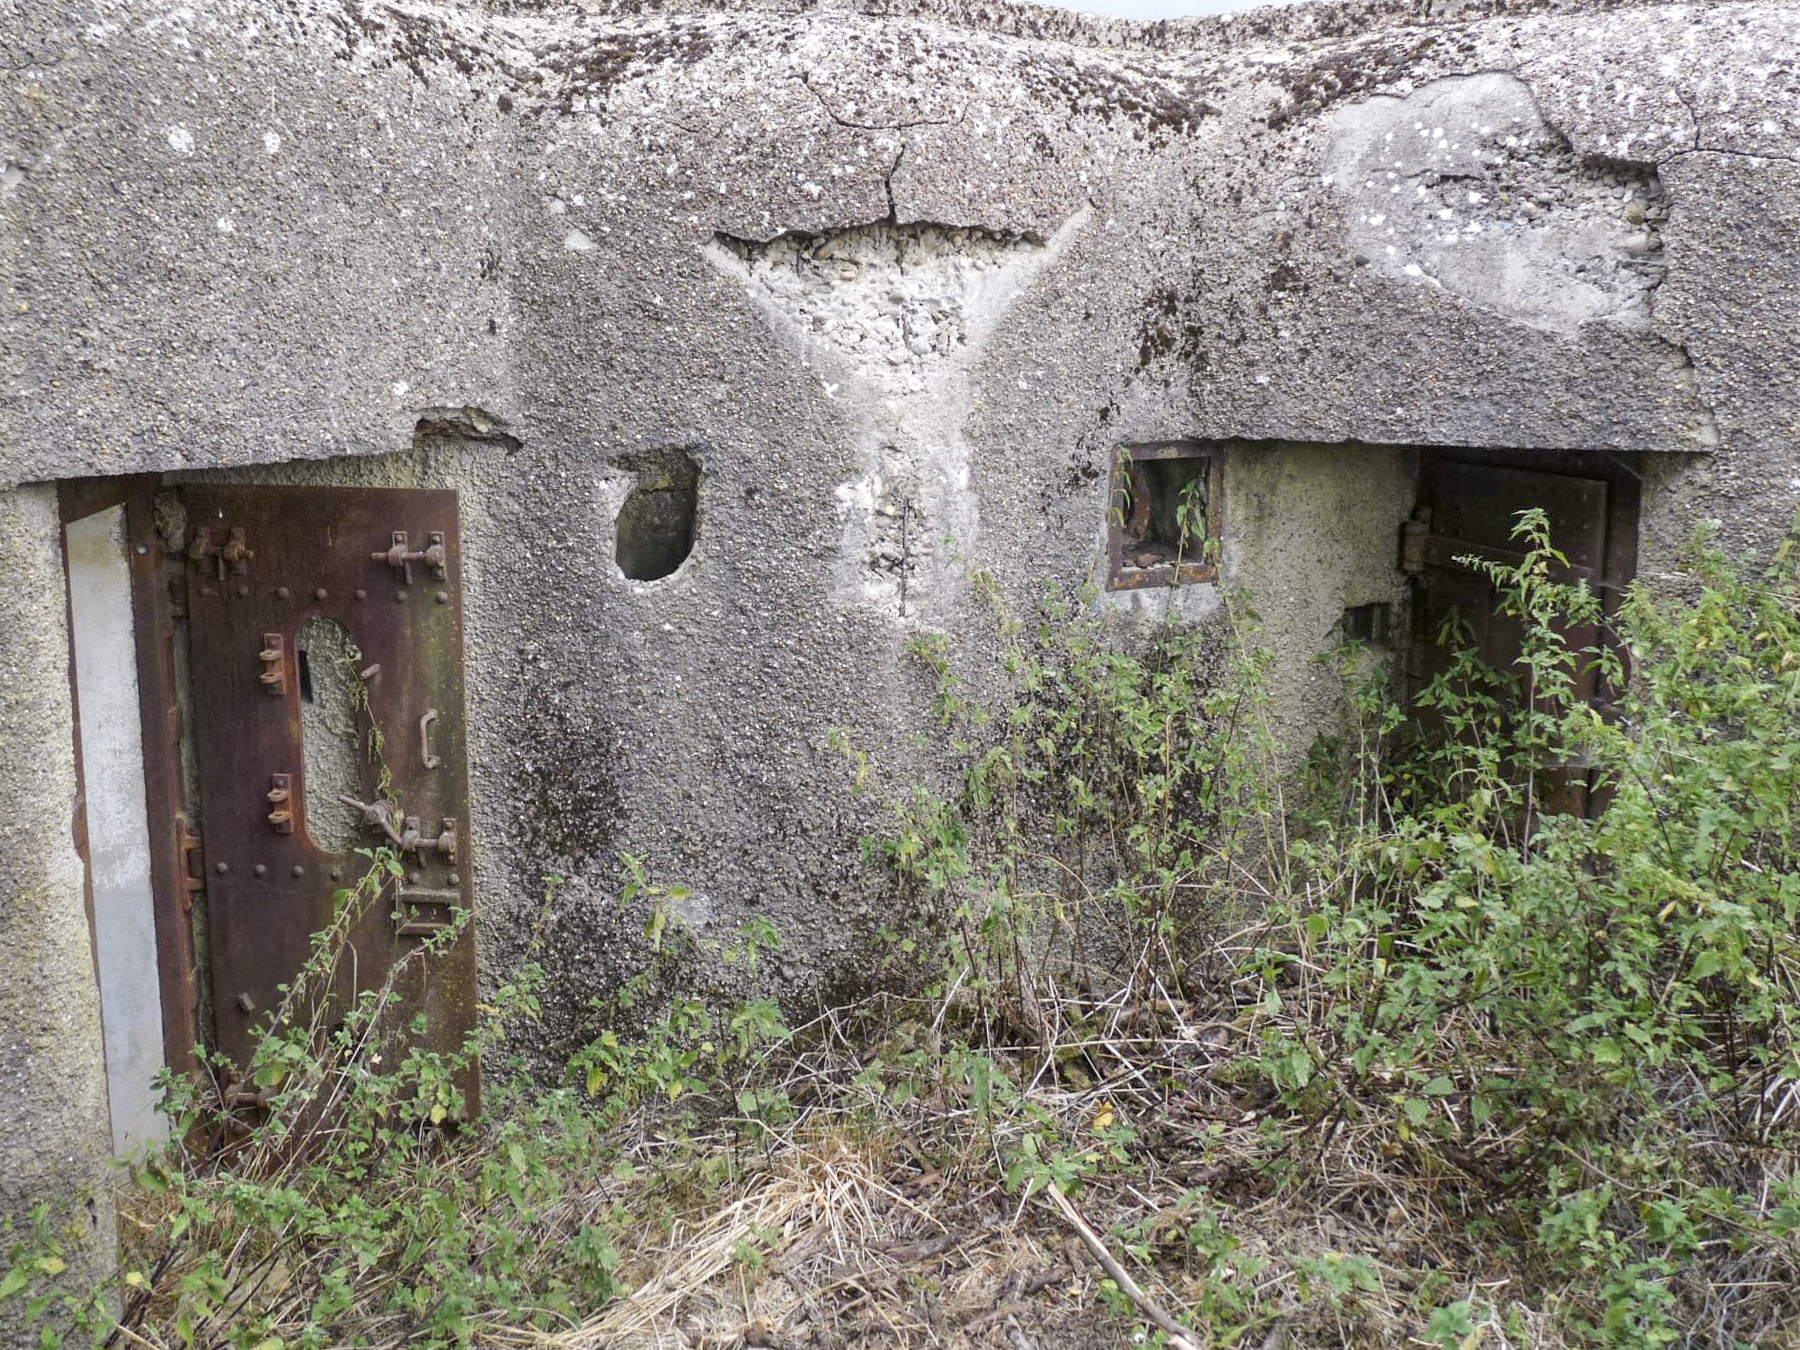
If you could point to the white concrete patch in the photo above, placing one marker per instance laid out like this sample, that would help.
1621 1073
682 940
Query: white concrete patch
112 767
181 140
1503 215
898 314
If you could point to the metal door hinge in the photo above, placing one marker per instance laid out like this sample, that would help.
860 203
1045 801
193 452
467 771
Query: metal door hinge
192 864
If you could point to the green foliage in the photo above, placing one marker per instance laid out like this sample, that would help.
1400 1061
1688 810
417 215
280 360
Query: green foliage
1587 1021
1529 1077
345 1193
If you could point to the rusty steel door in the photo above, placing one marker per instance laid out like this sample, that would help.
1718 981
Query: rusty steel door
264 565
1468 504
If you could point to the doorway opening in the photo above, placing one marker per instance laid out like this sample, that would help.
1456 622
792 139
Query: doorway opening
269 692
1468 505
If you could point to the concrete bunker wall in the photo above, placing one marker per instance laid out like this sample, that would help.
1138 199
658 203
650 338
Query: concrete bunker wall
524 257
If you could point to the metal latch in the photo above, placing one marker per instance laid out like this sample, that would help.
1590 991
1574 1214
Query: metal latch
401 558
234 554
414 840
410 837
377 815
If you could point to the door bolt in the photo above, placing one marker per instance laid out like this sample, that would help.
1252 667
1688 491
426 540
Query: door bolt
401 558
321 593
246 1003
446 841
281 592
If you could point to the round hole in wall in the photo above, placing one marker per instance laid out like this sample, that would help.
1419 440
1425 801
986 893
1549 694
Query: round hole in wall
655 529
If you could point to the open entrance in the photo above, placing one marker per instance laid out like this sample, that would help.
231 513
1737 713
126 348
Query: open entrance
269 686
1468 504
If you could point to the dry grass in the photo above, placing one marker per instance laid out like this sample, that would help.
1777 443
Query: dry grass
881 1213
867 1223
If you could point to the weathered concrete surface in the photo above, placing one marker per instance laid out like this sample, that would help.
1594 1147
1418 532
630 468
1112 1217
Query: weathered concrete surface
272 241
54 1135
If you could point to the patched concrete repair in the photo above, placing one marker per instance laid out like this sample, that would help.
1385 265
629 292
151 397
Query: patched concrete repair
846 313
1463 185
891 317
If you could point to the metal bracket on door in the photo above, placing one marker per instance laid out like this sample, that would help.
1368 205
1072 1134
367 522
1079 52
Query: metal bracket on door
280 794
412 900
401 558
274 662
233 555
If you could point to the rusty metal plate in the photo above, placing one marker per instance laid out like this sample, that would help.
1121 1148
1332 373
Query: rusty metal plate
386 565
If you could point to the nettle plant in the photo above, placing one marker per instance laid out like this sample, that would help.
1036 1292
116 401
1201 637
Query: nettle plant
342 1193
1589 1021
1577 1032
1091 813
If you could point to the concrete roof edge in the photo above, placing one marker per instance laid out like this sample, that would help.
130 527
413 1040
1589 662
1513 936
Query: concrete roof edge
1323 21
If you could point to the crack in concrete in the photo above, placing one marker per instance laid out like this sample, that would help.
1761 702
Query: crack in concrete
887 182
1699 149
806 79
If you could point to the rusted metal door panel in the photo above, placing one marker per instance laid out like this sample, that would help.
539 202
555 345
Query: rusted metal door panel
1468 508
385 564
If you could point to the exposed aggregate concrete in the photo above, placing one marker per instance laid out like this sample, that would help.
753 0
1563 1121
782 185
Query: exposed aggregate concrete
278 240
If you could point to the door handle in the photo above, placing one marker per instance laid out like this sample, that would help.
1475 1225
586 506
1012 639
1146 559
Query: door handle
426 722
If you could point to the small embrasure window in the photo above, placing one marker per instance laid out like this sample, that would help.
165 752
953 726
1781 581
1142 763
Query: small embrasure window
1164 518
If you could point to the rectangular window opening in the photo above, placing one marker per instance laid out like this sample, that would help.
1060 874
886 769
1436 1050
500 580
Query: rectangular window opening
1165 515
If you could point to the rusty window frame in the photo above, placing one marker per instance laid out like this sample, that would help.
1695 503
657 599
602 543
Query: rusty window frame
1121 574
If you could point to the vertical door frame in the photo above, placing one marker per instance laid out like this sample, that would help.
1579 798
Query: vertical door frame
153 617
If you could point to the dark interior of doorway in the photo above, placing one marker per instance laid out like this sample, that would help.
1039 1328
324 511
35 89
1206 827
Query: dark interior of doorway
1468 506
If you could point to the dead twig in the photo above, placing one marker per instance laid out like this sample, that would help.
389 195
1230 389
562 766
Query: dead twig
1178 1334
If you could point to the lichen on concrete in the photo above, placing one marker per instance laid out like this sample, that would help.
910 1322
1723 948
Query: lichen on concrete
1462 185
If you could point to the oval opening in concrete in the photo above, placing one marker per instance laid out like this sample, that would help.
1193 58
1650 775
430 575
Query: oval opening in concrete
654 532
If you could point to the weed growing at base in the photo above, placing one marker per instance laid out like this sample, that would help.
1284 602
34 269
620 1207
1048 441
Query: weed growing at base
1377 1051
